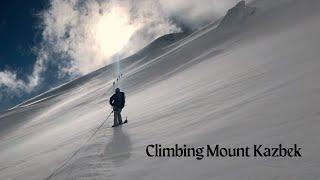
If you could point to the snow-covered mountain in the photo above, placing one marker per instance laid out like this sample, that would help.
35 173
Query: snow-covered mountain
253 78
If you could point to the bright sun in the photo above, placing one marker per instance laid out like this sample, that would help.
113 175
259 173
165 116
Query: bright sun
113 31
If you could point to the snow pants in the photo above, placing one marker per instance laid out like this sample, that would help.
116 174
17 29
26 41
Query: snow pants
117 117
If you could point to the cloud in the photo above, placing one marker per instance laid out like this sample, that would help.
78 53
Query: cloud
89 33
79 36
197 13
9 79
10 84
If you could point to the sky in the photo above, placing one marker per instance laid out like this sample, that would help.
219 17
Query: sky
19 33
44 43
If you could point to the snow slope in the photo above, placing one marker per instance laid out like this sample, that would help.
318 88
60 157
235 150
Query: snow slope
252 80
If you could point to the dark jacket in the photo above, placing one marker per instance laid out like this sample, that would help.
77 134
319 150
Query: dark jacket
117 100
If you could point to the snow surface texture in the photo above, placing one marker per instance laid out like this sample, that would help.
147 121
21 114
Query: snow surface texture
252 80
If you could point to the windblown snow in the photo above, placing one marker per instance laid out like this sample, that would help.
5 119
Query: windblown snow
253 79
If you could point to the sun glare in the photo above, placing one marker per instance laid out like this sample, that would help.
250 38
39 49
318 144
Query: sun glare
113 31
